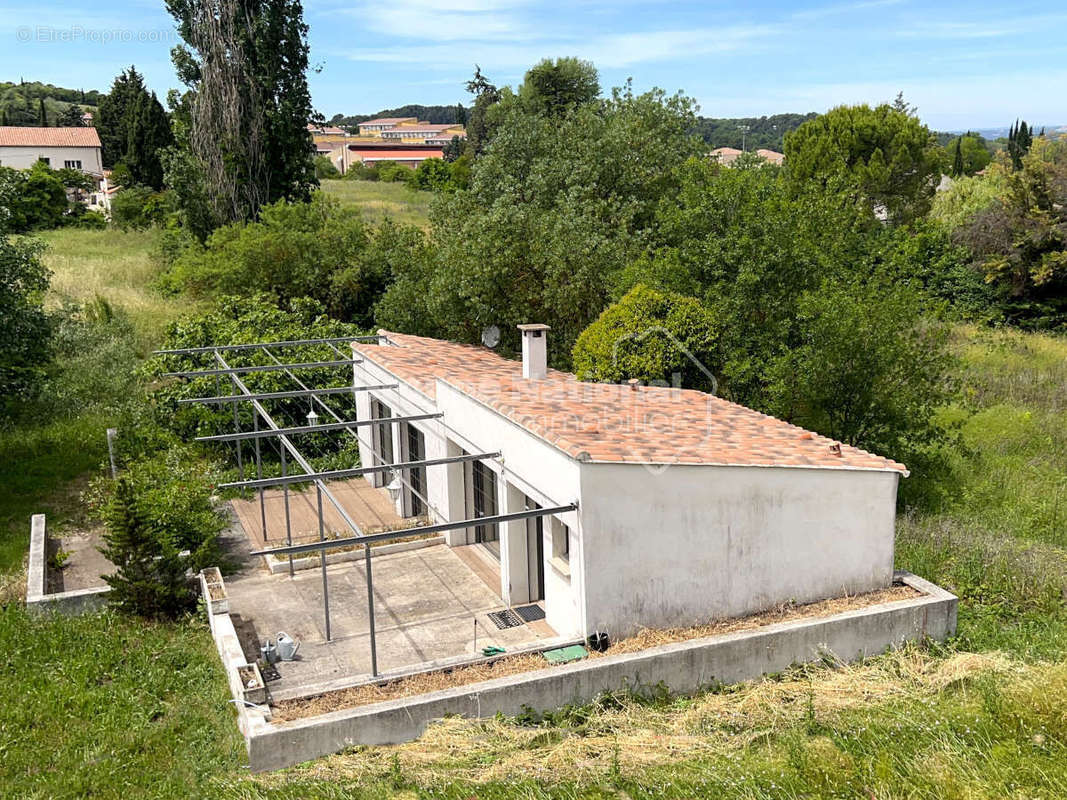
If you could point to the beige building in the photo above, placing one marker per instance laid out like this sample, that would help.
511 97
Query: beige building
73 148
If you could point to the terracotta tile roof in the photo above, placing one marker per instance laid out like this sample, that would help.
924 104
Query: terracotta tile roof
11 136
608 422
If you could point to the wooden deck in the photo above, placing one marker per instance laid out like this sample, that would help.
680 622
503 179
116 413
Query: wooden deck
370 508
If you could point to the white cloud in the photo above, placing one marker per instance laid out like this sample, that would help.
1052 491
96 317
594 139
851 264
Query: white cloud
445 21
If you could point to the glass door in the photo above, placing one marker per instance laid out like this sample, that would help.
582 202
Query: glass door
416 477
483 486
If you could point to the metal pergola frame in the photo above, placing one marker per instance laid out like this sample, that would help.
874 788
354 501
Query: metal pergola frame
287 448
286 395
320 428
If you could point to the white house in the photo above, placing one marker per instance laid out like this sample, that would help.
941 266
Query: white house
688 507
75 148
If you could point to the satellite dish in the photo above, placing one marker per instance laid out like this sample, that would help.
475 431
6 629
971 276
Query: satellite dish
491 336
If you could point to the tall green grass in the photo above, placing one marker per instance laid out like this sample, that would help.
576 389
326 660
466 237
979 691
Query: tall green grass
378 201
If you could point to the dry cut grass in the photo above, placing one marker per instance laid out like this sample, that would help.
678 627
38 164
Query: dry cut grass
514 665
630 736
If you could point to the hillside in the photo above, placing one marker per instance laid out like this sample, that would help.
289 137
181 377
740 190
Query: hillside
20 102
435 115
765 132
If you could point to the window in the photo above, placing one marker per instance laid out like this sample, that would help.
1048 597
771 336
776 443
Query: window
561 547
72 164
417 477
46 161
383 439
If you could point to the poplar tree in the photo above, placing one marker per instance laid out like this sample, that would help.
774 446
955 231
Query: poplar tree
245 63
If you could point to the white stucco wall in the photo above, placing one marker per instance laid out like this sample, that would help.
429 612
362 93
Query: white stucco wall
694 543
656 549
26 157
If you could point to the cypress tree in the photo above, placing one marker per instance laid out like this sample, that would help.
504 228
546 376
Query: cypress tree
957 161
148 132
42 114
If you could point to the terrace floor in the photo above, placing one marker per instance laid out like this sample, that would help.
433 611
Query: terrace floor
426 606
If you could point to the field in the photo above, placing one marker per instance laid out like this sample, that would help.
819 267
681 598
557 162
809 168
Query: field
109 707
378 201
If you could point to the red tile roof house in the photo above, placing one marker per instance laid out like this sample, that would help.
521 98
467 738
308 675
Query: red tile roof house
688 507
78 148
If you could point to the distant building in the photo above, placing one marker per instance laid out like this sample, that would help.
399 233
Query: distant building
374 127
728 155
73 148
725 155
771 156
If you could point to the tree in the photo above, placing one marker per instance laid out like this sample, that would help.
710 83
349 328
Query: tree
486 95
889 155
24 329
245 63
454 149
150 576
555 210
432 175
1019 239
656 337
973 153
148 134
116 112
554 87
70 117
324 168
36 199
868 368
1020 139
957 161
42 114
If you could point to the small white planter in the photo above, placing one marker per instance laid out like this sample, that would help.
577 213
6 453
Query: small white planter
253 689
214 591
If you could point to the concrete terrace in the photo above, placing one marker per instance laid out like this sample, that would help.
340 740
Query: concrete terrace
426 602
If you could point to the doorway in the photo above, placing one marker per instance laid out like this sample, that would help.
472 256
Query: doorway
416 451
484 500
535 553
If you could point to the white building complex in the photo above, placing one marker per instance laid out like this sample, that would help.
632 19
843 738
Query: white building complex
684 507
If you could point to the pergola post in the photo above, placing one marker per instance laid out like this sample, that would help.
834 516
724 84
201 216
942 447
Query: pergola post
322 561
370 613
288 524
259 476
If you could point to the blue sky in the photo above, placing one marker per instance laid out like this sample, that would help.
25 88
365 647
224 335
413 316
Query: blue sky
964 64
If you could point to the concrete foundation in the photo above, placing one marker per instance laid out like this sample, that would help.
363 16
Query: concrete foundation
38 600
684 667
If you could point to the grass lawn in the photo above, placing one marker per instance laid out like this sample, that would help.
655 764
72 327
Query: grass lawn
107 707
378 201
116 265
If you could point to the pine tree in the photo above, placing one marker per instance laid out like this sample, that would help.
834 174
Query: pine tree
150 578
42 114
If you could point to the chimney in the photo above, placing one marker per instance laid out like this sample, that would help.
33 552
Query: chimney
534 351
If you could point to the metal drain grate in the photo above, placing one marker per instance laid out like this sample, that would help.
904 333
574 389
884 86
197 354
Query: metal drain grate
505 619
530 613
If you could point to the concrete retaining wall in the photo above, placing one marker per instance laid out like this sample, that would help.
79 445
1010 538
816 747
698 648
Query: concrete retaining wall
38 601
684 667
252 720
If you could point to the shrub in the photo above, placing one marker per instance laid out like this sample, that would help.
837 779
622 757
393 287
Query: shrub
653 336
391 172
362 172
138 207
325 169
433 175
24 328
